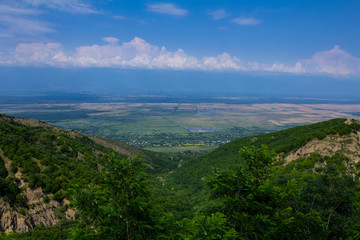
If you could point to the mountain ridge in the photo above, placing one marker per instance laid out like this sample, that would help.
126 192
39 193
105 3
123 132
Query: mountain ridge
282 142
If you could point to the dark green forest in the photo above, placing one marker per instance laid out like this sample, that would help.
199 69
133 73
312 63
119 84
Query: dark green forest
241 190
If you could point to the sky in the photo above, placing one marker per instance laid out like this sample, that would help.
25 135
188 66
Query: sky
244 46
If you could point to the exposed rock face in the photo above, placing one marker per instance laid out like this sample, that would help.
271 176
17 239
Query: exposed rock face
12 221
6 160
39 212
348 145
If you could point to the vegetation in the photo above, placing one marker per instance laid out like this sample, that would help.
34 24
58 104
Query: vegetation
282 142
51 160
58 232
250 194
55 160
121 208
261 201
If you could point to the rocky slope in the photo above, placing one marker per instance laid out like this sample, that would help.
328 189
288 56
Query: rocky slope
348 145
39 212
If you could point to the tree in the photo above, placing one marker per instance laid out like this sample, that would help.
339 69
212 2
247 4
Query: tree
248 200
261 201
121 208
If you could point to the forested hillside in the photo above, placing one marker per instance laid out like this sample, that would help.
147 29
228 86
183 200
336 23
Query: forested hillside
282 142
40 164
281 185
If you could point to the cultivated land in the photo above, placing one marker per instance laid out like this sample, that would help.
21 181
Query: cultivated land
180 126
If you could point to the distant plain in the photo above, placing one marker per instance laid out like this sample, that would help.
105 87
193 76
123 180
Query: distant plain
180 126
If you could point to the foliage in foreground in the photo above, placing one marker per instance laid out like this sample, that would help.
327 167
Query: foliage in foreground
119 210
312 198
126 209
261 201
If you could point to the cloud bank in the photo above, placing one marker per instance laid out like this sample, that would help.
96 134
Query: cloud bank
139 54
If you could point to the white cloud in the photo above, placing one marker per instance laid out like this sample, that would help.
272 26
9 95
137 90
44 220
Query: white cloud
11 10
166 8
138 53
246 21
282 67
19 21
20 18
35 54
218 14
176 60
71 6
334 62
223 62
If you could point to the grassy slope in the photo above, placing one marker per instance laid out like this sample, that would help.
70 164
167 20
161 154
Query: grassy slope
226 156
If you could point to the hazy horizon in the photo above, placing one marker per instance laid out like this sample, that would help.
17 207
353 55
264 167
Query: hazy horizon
110 81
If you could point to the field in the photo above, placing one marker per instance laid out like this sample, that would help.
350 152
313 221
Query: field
179 126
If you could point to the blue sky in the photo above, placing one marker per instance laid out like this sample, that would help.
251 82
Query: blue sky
134 41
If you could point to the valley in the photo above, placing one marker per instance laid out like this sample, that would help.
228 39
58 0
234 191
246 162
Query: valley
63 184
179 120
174 169
165 124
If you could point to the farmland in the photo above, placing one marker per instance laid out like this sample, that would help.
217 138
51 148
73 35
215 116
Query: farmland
179 126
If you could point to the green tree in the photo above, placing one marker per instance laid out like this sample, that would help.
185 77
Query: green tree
248 199
264 201
120 209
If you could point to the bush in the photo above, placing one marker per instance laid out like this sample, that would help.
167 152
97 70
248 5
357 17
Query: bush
20 200
46 199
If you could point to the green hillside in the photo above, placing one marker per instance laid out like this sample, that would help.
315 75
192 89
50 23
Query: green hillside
55 160
286 141
74 186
